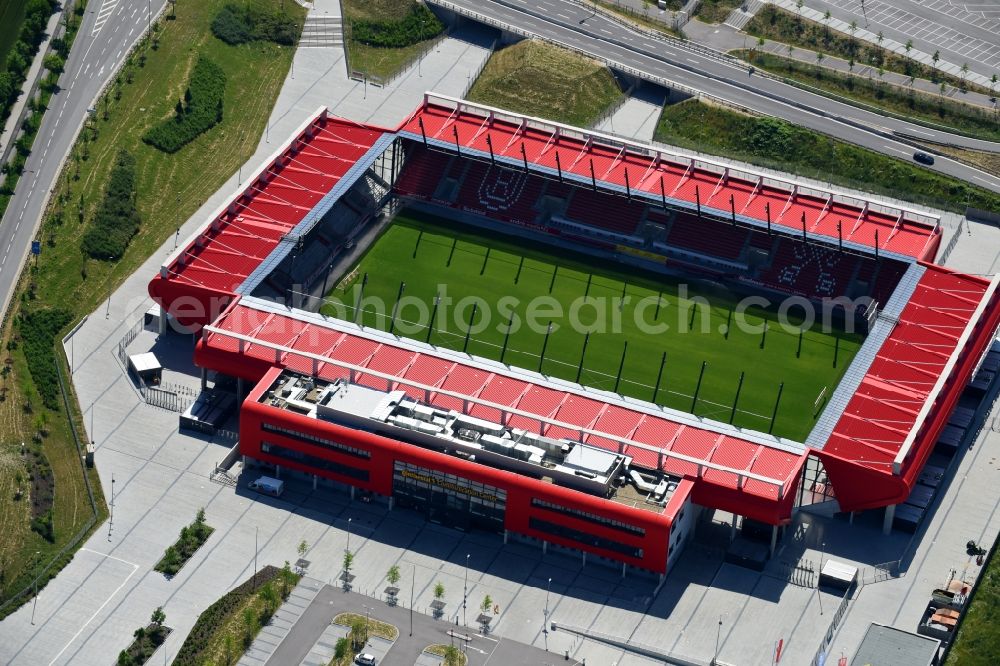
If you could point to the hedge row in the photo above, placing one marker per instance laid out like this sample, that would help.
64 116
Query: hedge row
235 24
192 538
38 335
117 219
418 25
216 615
198 112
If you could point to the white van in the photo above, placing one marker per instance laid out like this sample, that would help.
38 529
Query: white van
268 486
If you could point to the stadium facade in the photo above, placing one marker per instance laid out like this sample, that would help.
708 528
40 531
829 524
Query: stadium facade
478 444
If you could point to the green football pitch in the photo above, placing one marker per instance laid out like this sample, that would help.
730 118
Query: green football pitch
682 345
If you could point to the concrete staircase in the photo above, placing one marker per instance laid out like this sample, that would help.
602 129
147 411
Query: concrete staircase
322 31
742 15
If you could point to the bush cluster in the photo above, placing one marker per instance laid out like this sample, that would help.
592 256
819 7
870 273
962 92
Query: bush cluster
191 539
418 25
236 24
147 640
38 330
199 111
215 616
15 68
117 219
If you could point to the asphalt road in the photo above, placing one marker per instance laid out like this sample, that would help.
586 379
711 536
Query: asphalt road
109 29
573 25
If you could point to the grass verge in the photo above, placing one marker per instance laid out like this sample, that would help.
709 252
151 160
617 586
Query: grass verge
715 11
897 101
11 18
382 37
450 654
978 641
988 162
546 81
373 626
779 25
434 256
776 144
169 189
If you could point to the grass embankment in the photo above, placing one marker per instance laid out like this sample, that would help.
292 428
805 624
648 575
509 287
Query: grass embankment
782 26
226 629
539 79
901 102
169 189
430 254
978 641
777 144
715 11
11 17
384 36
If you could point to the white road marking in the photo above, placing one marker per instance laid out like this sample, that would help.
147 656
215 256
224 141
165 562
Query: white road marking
897 150
103 14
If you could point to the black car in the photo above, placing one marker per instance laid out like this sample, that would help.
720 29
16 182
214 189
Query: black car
923 157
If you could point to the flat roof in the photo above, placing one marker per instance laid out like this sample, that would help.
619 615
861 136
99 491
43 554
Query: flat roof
656 173
888 646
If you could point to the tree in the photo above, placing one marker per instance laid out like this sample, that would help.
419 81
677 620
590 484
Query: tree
158 617
348 561
287 579
249 626
908 46
452 655
270 597
853 28
943 88
439 591
798 7
819 57
826 23
341 649
965 72
936 57
393 575
303 548
993 85
850 66
359 632
487 604
54 63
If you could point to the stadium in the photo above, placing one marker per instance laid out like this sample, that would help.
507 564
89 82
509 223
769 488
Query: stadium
606 439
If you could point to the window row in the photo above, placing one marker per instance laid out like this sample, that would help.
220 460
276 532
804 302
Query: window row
589 517
583 538
314 439
314 462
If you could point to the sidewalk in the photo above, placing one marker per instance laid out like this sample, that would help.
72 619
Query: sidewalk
10 130
726 38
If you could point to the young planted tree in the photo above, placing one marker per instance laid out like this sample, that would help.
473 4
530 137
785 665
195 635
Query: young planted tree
303 548
452 656
487 605
359 632
393 575
439 591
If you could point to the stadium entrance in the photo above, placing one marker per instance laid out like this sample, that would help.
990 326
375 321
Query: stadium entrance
448 499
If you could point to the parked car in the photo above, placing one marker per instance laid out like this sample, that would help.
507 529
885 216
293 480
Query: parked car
364 659
923 158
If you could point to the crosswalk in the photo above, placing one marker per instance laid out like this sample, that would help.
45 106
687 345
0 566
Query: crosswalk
103 14
742 15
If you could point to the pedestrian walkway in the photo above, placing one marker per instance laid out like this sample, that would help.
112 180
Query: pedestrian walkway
325 646
740 16
281 623
637 117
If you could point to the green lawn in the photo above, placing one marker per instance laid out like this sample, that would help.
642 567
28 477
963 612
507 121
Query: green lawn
715 11
777 144
492 268
169 189
11 16
380 62
978 640
546 81
905 103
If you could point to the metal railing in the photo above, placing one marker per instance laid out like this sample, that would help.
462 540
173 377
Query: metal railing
821 656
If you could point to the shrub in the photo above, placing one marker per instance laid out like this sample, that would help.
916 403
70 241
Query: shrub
418 25
38 332
200 110
116 220
236 24
192 537
43 526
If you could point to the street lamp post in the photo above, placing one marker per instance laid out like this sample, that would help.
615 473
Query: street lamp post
465 589
348 549
111 516
718 636
256 533
413 579
34 604
545 614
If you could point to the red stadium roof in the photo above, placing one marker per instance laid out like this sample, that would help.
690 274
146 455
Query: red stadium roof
896 414
241 234
659 173
751 478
